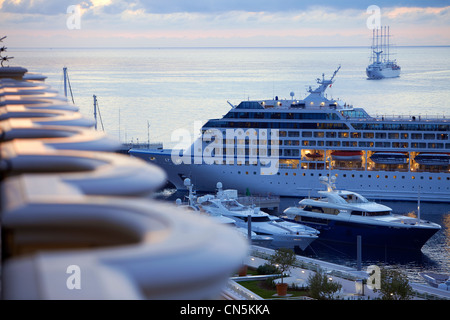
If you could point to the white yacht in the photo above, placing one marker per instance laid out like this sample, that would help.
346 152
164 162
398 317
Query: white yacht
284 234
342 215
192 205
381 66
282 147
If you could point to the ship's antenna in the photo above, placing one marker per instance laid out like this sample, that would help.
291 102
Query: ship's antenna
334 74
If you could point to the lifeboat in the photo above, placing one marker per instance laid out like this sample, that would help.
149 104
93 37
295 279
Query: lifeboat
346 155
389 157
433 159
314 156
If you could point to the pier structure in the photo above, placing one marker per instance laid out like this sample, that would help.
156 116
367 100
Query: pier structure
352 280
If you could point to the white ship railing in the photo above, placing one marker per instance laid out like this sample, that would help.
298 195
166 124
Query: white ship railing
414 118
234 291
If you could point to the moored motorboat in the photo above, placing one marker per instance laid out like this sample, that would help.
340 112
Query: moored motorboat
341 216
284 234
192 205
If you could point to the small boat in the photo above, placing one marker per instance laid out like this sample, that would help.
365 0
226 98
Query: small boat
191 205
433 159
389 158
346 155
315 155
284 234
342 215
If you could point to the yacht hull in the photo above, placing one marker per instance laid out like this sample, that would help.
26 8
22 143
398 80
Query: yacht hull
407 238
289 241
379 185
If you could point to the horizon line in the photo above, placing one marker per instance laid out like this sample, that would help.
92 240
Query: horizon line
229 47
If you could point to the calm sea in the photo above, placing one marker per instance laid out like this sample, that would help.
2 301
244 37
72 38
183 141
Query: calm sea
146 93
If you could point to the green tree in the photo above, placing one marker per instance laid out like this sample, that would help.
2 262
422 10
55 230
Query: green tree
394 285
283 259
321 287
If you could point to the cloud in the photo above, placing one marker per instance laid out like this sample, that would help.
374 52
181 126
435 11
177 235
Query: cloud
417 14
209 22
52 7
41 7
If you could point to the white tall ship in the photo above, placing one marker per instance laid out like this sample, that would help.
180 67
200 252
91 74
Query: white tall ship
398 158
381 65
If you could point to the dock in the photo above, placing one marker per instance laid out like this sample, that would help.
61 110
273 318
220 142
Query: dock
352 280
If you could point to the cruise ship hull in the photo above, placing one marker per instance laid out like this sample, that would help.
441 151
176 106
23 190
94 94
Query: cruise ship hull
380 185
344 232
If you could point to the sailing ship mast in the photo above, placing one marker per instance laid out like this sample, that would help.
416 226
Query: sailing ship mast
67 81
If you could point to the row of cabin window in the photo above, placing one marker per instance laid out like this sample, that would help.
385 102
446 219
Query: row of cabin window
281 115
335 143
365 135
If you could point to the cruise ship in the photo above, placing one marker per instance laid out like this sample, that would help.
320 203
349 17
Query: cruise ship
282 147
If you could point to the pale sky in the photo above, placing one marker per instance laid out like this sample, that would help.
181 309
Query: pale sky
214 23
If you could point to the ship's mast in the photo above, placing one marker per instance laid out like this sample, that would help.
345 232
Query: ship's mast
378 50
65 81
377 40
386 54
388 44
373 45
